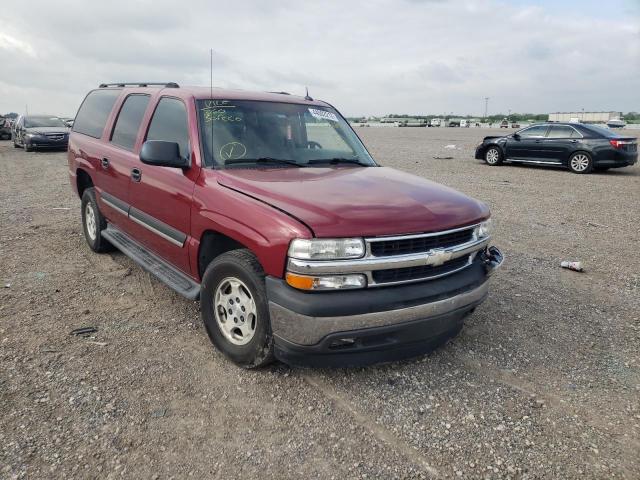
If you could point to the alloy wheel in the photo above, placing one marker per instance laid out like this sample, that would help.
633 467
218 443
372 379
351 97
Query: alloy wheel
579 162
492 156
90 221
235 310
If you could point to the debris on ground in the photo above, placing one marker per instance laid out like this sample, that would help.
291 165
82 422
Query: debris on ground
442 158
450 147
593 224
575 266
159 413
82 331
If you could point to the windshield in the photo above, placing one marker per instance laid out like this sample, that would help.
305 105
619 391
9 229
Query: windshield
249 133
31 122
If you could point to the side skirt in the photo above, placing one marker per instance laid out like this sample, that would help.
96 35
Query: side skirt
163 271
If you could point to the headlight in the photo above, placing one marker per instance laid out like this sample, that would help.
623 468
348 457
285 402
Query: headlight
326 248
484 229
326 282
30 135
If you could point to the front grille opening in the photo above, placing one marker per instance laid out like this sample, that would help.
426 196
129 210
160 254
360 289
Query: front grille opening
416 273
386 248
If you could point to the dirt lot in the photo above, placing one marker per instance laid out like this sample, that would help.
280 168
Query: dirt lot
543 382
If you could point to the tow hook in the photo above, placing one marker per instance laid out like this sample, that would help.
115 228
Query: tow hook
492 259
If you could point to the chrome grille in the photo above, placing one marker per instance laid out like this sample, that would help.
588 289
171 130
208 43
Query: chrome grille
403 259
403 246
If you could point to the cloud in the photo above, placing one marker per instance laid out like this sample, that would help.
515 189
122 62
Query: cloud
365 57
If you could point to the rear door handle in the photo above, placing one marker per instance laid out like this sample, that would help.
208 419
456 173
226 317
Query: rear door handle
136 174
105 163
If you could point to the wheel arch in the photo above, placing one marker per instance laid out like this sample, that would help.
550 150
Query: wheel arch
83 181
212 245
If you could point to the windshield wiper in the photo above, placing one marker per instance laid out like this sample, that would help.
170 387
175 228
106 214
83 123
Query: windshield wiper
271 160
336 160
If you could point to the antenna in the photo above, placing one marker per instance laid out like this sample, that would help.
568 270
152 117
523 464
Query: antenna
306 96
211 72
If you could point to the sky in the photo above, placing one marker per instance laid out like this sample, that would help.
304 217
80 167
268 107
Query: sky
370 57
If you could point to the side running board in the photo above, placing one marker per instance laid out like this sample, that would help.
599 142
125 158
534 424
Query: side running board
164 272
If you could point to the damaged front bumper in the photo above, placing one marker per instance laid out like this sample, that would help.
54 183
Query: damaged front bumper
349 328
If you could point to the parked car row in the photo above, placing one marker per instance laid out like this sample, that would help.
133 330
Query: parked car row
34 132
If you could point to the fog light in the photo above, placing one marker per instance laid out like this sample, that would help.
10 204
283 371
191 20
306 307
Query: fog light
326 282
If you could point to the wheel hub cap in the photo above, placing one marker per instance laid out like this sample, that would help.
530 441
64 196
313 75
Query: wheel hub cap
579 163
90 221
492 156
235 311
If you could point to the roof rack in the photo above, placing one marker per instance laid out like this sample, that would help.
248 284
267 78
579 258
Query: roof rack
140 84
281 93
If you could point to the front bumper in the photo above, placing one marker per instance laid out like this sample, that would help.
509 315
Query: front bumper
360 327
43 142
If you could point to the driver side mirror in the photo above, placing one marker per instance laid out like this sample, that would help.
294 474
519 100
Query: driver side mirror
162 154
516 136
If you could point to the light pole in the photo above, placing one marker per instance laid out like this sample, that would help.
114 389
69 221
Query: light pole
486 106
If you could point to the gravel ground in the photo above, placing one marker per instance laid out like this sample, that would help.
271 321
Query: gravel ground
543 382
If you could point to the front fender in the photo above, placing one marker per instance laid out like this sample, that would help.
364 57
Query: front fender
261 228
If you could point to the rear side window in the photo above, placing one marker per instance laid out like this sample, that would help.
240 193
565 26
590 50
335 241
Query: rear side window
125 131
169 123
94 111
560 131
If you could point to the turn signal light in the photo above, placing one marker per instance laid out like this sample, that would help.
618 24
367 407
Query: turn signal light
326 282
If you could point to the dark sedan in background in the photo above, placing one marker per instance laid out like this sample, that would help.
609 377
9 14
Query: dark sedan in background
580 147
40 131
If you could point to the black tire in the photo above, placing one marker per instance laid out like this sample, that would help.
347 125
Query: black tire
96 242
28 148
493 156
239 265
580 162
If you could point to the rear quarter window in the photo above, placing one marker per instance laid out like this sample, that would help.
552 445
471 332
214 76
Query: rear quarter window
94 111
127 125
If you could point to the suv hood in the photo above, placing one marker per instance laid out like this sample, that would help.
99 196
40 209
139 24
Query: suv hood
355 201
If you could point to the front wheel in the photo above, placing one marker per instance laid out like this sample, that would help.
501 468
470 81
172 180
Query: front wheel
581 162
235 312
493 156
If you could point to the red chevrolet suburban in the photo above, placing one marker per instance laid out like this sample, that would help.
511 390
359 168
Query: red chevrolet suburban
268 208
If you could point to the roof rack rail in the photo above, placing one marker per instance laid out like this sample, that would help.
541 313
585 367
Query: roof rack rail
281 93
140 84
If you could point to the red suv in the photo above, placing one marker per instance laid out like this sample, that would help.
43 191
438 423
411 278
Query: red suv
269 209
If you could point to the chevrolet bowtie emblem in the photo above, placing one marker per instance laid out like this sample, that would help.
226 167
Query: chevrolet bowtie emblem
437 257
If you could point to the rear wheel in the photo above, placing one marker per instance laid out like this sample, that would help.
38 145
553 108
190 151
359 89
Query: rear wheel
493 156
580 162
93 223
233 302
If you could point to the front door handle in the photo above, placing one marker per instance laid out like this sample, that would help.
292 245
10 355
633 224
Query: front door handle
136 174
105 163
